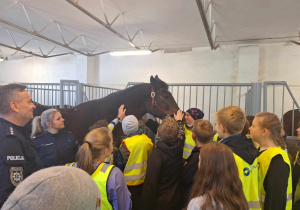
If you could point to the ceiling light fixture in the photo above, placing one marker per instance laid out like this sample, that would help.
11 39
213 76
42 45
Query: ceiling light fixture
130 52
2 58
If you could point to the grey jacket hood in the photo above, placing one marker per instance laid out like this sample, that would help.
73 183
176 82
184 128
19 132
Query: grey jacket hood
59 188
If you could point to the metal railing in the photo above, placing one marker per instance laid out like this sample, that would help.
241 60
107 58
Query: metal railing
279 99
93 92
66 94
211 97
44 93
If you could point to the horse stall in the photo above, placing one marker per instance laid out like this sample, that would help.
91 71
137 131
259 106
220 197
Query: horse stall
275 97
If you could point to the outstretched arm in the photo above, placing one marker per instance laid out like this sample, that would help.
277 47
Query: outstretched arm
119 118
178 117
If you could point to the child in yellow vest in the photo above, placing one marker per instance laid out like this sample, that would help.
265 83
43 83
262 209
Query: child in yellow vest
296 175
132 157
97 146
274 171
230 122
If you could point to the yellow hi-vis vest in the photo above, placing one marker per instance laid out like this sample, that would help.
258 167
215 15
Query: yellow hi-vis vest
264 161
140 147
100 176
248 175
215 138
189 143
297 191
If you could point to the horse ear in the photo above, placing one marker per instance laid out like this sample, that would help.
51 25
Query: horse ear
157 83
153 82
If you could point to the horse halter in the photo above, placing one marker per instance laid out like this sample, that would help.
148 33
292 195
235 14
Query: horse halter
154 102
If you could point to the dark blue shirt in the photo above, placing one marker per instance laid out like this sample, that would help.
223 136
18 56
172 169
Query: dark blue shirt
56 149
18 157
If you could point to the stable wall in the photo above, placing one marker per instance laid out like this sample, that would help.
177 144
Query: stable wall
279 62
44 70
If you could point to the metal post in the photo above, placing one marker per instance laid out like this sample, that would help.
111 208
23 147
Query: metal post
255 99
61 102
79 93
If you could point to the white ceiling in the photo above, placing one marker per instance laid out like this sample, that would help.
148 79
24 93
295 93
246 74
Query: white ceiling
170 25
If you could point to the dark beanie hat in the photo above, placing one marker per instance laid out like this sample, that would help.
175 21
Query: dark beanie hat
195 113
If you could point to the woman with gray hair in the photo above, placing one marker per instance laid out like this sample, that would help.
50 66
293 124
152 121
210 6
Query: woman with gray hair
55 146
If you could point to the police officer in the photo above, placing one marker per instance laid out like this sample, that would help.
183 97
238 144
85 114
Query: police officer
55 146
18 155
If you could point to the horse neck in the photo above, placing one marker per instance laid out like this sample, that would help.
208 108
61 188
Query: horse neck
134 100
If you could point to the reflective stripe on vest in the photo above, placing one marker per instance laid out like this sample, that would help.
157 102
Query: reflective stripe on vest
297 192
140 147
100 176
189 143
264 161
70 164
248 176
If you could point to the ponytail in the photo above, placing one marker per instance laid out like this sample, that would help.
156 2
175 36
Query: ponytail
36 126
95 143
84 158
39 123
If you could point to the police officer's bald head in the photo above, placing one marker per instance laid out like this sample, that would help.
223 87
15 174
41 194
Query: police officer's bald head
8 94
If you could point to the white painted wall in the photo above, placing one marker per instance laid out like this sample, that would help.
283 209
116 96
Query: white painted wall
50 70
230 64
199 65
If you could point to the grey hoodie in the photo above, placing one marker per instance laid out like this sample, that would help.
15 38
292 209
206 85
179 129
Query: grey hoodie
57 188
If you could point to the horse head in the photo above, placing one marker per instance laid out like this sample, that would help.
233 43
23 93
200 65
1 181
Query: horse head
162 102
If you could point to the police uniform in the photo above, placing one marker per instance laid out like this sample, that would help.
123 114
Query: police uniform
56 149
18 157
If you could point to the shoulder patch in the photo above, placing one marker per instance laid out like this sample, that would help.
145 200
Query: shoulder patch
13 159
16 175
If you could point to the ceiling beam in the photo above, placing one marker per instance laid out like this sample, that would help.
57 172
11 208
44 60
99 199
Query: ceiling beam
107 26
42 37
31 53
207 28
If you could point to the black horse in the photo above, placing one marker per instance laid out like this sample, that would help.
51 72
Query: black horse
140 99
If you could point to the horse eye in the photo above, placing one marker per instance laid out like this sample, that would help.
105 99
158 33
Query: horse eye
166 96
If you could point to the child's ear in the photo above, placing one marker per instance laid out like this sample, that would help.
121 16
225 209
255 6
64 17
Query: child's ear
265 132
194 136
223 128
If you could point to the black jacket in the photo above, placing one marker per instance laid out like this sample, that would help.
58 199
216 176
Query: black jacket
242 147
161 187
56 149
276 183
189 170
18 157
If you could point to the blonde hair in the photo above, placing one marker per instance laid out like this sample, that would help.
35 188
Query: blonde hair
232 118
94 145
272 123
39 122
168 130
203 130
